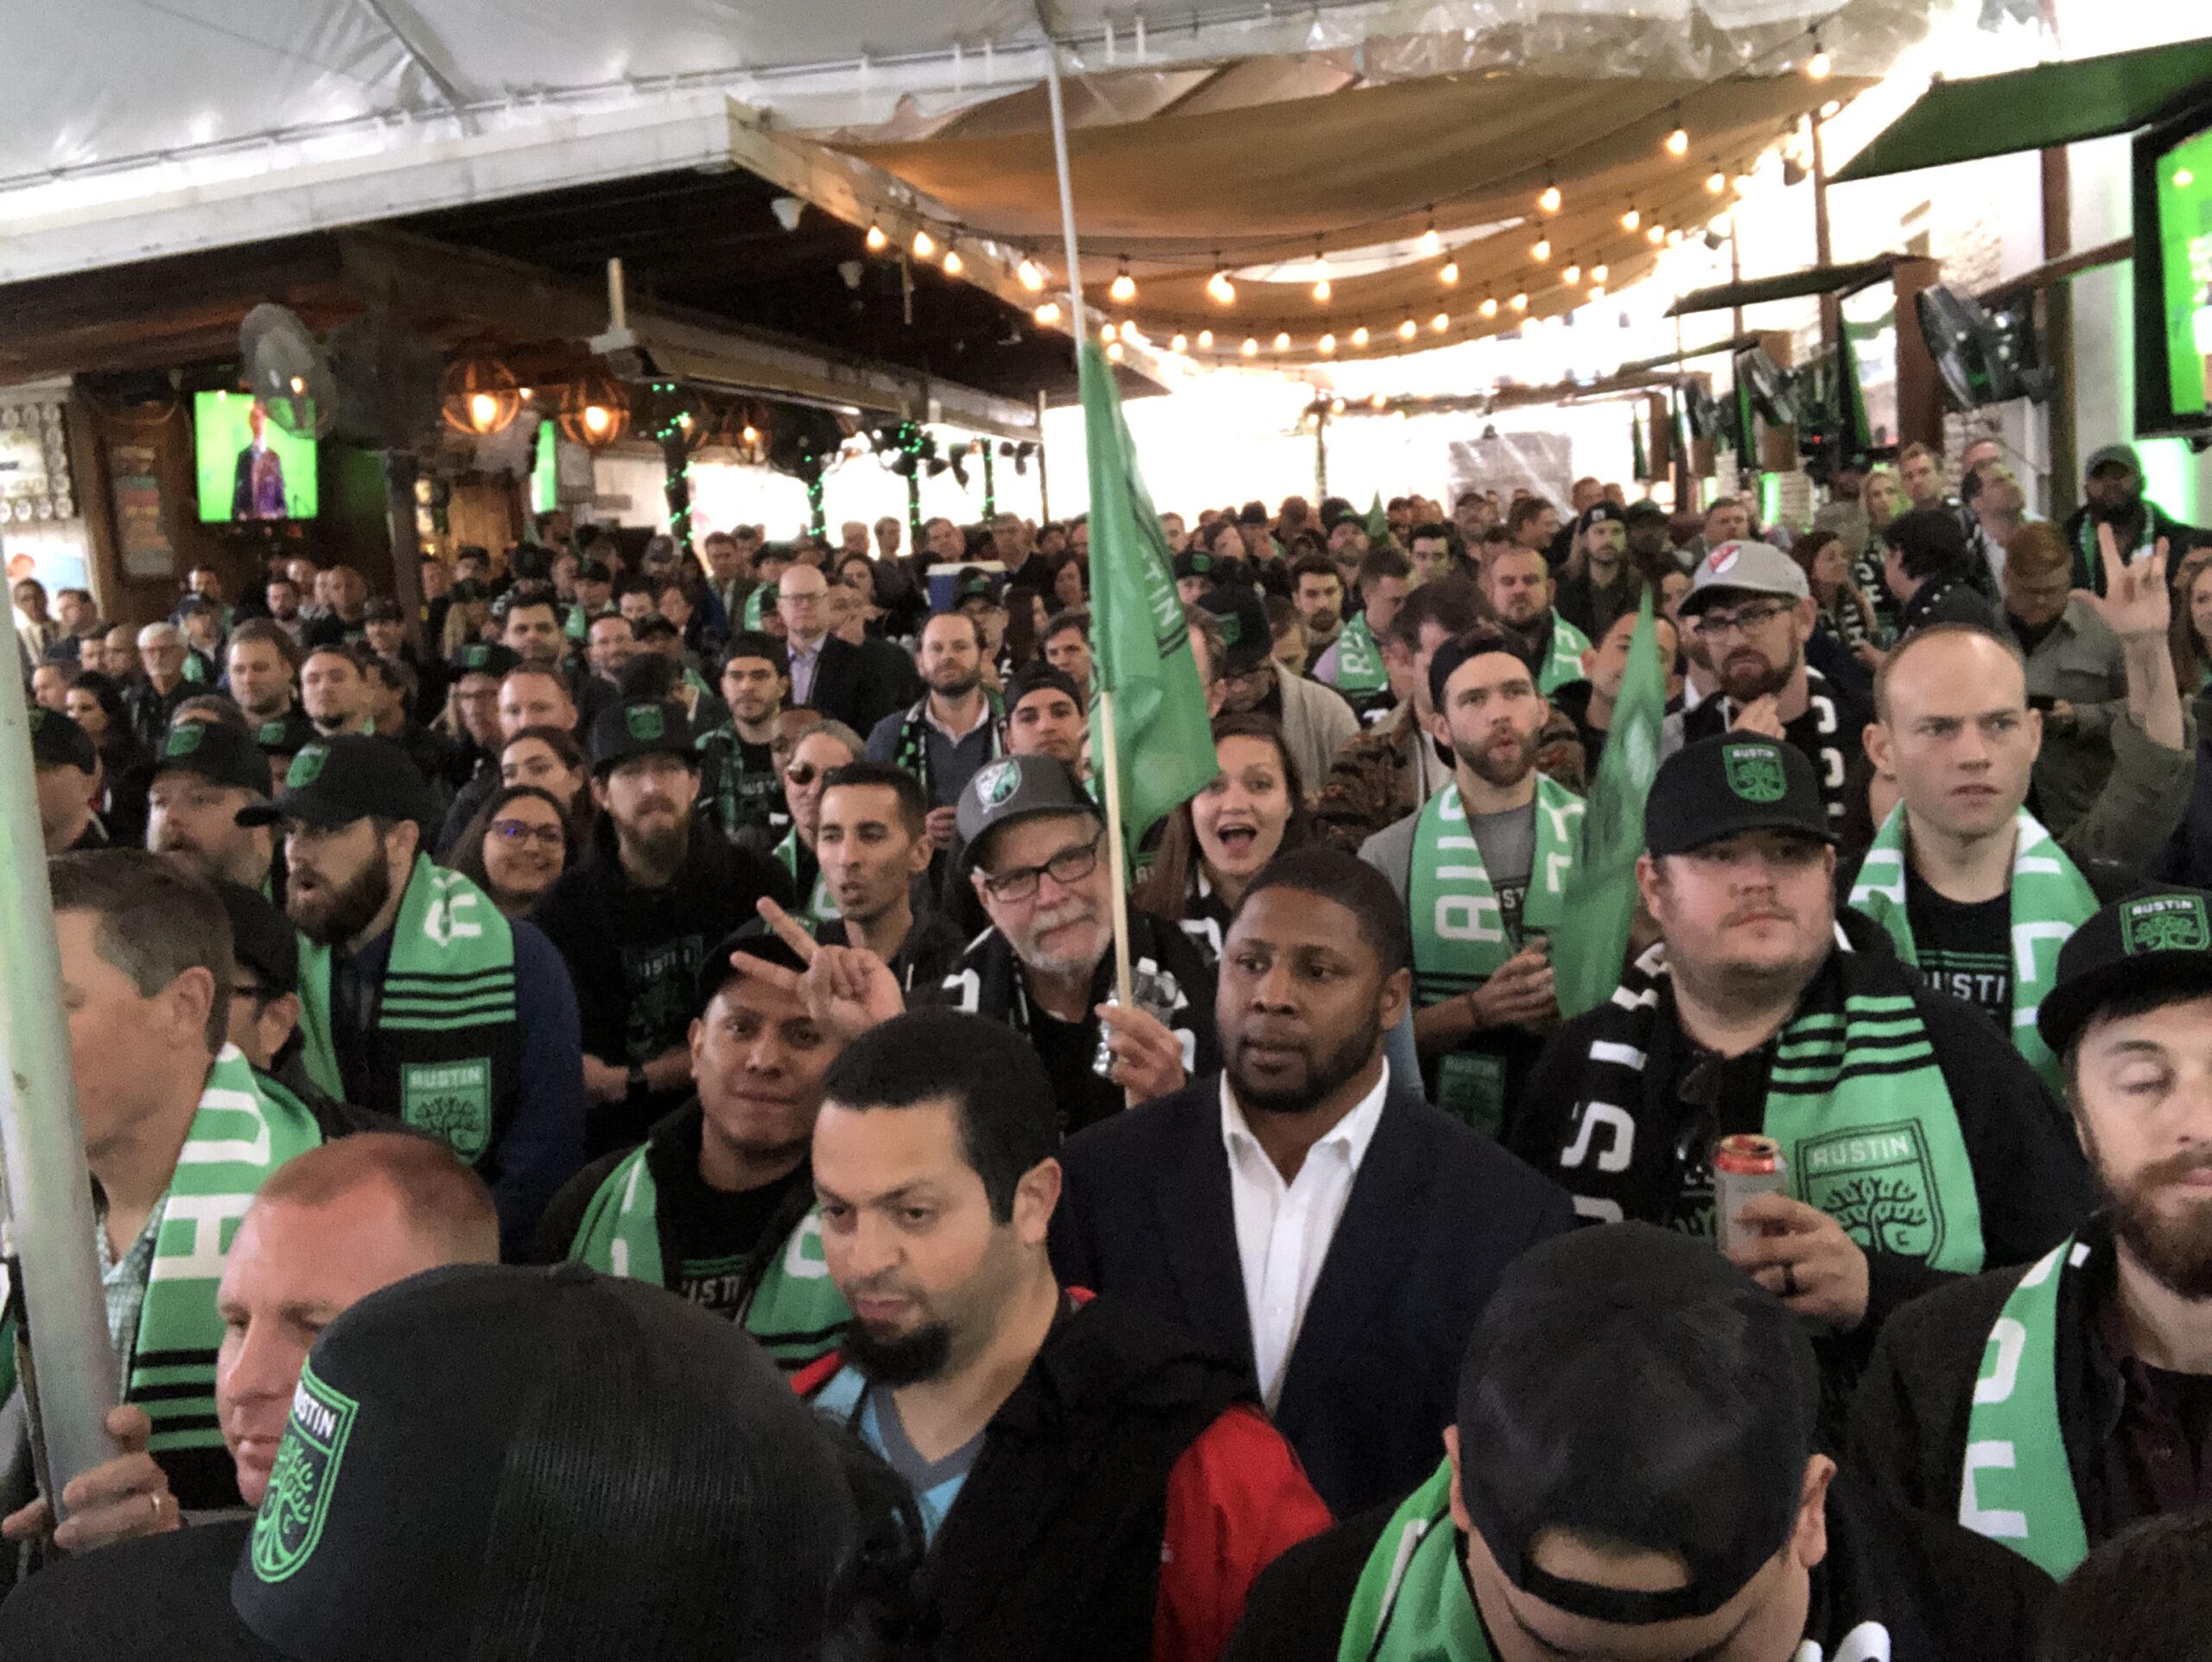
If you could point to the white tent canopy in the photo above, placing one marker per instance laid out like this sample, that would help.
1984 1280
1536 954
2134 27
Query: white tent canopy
139 128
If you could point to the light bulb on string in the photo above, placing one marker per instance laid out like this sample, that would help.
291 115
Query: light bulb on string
1440 323
1489 306
1219 289
1123 289
1359 336
1678 142
954 265
877 242
1205 340
1327 344
1048 315
1542 250
1378 402
1548 199
1521 302
1597 291
1109 333
1114 353
1432 242
1179 342
1571 275
1282 341
1599 273
1251 347
1322 287
1407 329
925 245
1632 219
1820 66
1448 273
1716 181
1656 234
1030 275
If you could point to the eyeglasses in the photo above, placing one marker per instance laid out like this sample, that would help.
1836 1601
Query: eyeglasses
1713 625
1070 865
521 831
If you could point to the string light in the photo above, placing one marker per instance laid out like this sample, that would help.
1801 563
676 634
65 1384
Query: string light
1597 291
1599 273
1571 275
954 265
1678 142
877 242
1322 287
1407 329
925 244
1521 302
1109 333
1030 275
1114 353
1328 343
1219 289
1820 66
1180 342
1431 243
1630 220
1282 341
1359 336
1440 323
1489 306
1205 340
1448 274
1123 289
1250 348
1378 402
1716 181
1543 251
1656 234
1547 200
1048 315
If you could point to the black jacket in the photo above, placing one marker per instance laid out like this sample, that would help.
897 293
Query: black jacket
2029 1179
1908 1421
1436 1214
1054 1547
855 686
1943 1594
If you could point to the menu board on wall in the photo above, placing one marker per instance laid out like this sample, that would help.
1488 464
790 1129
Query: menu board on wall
133 480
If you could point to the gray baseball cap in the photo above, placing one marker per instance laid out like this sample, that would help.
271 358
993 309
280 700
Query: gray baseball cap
1744 569
1018 788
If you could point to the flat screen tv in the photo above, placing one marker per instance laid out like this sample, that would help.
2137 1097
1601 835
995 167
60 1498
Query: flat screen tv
249 468
2173 277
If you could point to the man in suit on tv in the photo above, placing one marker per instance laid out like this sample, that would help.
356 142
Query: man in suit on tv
257 488
1305 1212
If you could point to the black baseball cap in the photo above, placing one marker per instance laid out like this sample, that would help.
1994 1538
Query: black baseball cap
592 572
1191 564
2157 939
262 937
639 727
467 589
1730 784
1598 513
1018 788
1039 677
353 776
972 584
755 939
382 608
58 741
483 657
1246 641
758 643
219 754
1469 645
486 1460
1628 1385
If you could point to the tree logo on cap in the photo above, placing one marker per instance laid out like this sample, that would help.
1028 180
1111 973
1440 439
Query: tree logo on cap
269 733
645 721
1201 563
184 738
1722 558
1232 628
306 766
293 1511
1755 773
477 656
2164 923
996 783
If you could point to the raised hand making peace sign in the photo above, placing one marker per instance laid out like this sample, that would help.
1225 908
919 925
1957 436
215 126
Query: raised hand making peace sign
847 990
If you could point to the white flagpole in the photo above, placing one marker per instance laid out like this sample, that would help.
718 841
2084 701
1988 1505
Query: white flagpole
1108 761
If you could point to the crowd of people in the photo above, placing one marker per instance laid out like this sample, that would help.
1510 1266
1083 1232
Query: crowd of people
617 1129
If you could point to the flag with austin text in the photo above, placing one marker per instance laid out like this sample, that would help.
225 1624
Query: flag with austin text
1141 648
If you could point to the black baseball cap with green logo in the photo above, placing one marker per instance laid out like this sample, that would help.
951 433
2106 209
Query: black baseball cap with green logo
219 754
639 727
2155 940
334 782
483 657
1017 787
1729 784
1246 641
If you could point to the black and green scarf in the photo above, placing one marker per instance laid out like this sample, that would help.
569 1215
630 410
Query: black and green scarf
742 799
913 753
1855 1098
444 1015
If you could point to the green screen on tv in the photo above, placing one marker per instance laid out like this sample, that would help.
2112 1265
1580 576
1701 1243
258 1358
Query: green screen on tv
2184 200
248 466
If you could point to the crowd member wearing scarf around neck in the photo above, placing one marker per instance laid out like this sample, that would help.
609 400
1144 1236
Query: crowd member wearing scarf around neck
740 784
1218 842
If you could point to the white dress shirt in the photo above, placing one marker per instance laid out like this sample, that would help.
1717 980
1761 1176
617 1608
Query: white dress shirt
803 659
1283 1230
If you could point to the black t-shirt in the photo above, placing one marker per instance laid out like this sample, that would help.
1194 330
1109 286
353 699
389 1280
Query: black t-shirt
1828 732
717 1232
1965 949
1068 1049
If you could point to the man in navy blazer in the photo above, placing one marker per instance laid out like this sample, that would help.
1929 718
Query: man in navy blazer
1305 1212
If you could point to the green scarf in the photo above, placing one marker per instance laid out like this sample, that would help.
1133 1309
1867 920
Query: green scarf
740 801
753 605
1564 663
1458 927
446 1010
244 1129
2049 902
1411 1603
1359 661
794 1309
2016 1486
820 908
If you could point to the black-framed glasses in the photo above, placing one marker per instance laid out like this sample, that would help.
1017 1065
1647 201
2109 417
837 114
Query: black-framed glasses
1070 865
521 831
1713 625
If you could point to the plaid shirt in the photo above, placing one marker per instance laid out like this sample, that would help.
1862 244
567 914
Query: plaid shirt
123 1281
1375 780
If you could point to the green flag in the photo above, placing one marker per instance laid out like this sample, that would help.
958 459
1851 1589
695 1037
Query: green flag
1637 466
1601 887
1140 647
